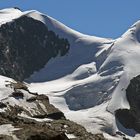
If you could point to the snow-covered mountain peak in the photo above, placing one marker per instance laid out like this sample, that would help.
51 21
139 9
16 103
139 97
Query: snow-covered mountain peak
10 10
81 74
137 30
63 30
8 14
133 33
136 25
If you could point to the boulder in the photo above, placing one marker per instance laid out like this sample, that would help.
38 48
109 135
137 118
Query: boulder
17 95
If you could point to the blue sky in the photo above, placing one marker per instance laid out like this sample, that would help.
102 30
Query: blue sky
104 18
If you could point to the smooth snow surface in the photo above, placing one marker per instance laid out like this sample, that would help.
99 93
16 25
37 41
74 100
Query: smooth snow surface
9 14
89 83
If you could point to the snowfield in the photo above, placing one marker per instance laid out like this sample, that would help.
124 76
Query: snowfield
88 84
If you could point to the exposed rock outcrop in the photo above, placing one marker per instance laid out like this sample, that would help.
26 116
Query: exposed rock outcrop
26 45
32 117
131 118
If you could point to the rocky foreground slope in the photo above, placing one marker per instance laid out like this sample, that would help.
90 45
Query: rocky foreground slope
28 116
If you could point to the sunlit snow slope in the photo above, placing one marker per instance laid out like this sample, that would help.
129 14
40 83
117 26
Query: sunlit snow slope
88 84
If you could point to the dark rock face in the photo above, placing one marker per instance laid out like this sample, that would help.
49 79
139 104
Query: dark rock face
56 115
17 95
2 105
126 117
131 118
45 137
31 99
26 45
133 94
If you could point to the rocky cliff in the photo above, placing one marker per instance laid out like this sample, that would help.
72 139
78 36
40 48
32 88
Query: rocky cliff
130 118
26 45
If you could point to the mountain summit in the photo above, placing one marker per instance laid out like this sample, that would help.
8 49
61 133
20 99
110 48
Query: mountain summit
88 78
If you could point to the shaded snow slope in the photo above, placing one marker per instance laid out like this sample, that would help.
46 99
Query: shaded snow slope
80 45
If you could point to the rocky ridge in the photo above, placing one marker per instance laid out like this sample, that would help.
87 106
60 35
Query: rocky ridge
30 116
